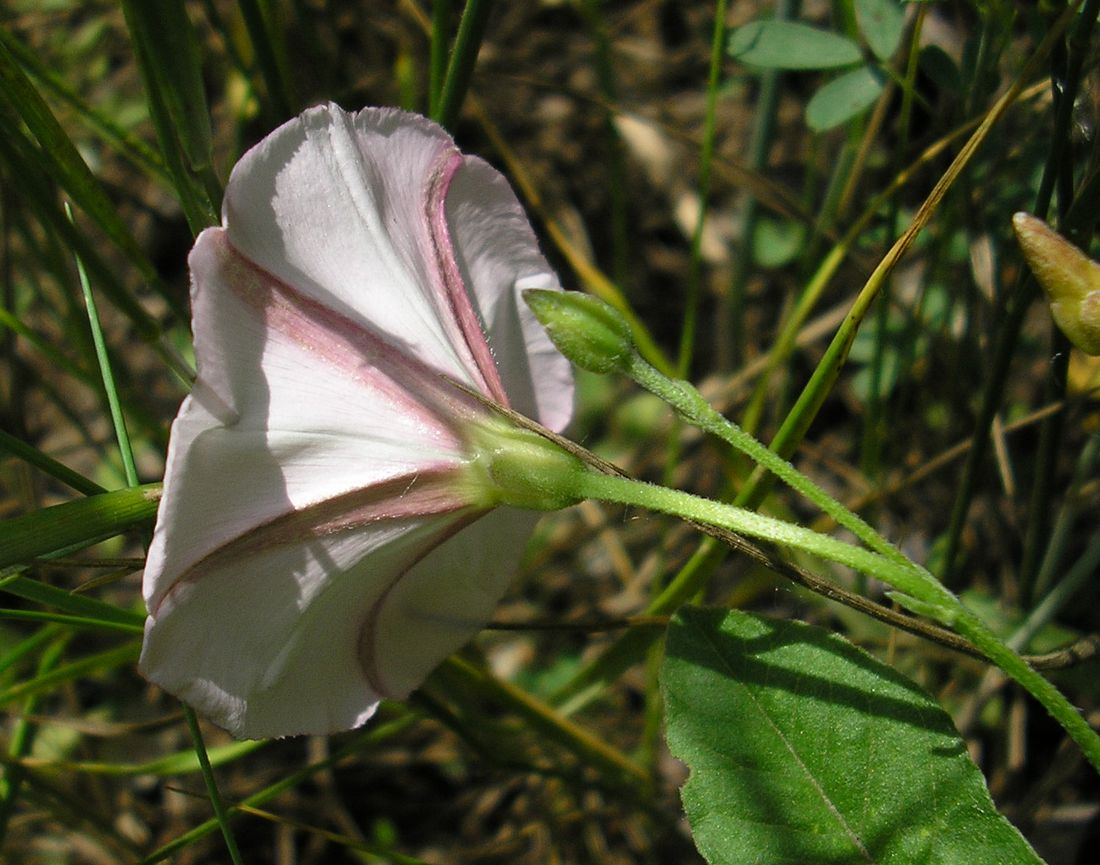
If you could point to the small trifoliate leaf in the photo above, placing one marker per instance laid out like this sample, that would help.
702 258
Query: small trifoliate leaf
881 22
843 98
791 45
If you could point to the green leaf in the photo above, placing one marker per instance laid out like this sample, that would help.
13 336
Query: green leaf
843 98
74 523
776 243
804 749
791 45
881 22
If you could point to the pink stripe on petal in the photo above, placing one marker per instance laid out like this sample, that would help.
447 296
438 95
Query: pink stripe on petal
454 288
350 348
368 654
434 491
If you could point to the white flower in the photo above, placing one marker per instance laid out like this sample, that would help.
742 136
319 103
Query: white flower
324 539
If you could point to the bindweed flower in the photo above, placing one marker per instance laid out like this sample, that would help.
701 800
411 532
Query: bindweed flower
342 509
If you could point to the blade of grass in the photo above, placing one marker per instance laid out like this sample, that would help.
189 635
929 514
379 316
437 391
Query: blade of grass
22 739
200 207
460 67
76 622
179 763
111 659
32 456
355 747
131 148
220 814
263 44
1016 306
74 523
109 387
437 53
64 162
820 385
80 606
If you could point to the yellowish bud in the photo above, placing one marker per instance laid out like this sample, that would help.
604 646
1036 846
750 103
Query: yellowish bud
1069 277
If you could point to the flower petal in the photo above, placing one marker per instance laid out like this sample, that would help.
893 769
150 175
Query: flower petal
336 205
280 417
268 644
305 623
498 256
444 600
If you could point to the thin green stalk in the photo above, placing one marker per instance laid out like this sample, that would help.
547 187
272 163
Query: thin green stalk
132 481
1066 519
706 158
71 621
875 420
460 68
58 471
899 573
22 739
121 656
353 748
220 814
731 334
437 56
1076 578
1077 225
131 148
109 386
264 45
682 396
821 383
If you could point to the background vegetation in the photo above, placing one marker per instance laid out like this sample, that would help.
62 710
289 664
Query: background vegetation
737 213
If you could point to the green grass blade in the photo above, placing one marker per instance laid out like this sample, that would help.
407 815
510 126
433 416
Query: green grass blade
220 814
64 162
198 206
79 622
131 148
355 747
178 763
109 386
32 456
22 739
97 663
83 521
263 44
460 68
78 606
171 44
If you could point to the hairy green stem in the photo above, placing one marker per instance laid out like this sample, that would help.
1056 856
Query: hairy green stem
921 591
682 396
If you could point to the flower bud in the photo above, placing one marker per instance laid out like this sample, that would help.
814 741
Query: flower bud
588 331
1069 277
